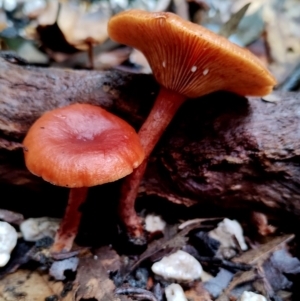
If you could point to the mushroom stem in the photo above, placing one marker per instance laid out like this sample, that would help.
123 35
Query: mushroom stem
161 114
164 109
69 225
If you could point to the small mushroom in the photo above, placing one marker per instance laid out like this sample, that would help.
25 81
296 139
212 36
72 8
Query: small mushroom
79 146
188 61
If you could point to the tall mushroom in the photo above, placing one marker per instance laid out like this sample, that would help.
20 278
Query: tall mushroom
79 146
188 61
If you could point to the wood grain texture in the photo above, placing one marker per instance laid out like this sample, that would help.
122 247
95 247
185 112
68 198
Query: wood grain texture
221 150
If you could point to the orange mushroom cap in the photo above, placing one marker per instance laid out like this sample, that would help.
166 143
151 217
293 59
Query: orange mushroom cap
188 58
80 146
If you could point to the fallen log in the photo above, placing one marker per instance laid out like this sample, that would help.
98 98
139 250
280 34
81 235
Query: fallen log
221 150
27 92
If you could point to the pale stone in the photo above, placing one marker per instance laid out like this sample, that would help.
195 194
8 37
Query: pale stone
179 266
34 229
154 223
174 292
8 240
225 233
250 296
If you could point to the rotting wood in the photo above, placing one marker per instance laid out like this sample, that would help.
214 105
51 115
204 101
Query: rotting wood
27 92
222 150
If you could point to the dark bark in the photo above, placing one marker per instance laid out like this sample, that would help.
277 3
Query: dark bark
27 92
232 152
221 150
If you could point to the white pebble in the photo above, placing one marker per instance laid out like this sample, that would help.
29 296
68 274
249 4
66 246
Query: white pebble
249 296
34 229
9 5
179 266
174 292
8 240
58 268
154 223
205 71
225 233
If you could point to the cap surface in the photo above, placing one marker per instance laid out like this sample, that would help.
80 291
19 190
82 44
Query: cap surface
188 58
80 146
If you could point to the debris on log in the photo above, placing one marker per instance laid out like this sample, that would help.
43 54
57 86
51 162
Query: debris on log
221 150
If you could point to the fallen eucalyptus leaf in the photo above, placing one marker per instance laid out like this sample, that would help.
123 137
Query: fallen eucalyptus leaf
231 25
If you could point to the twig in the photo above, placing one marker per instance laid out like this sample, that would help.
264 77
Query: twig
138 293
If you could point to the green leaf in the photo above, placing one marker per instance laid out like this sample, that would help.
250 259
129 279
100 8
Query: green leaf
231 25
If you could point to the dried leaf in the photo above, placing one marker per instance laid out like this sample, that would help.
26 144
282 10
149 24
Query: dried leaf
53 39
256 256
201 221
223 297
197 293
11 217
282 35
79 28
240 278
250 29
109 258
31 286
163 246
92 281
136 293
231 25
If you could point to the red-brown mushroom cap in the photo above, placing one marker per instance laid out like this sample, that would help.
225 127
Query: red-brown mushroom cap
80 146
188 58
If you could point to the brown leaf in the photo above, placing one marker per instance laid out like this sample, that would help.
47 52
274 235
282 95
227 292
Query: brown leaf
162 247
168 244
31 286
11 217
92 281
80 28
260 254
197 293
240 278
109 258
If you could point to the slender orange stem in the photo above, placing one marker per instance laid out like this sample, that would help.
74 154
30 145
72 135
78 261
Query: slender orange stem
164 108
68 227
